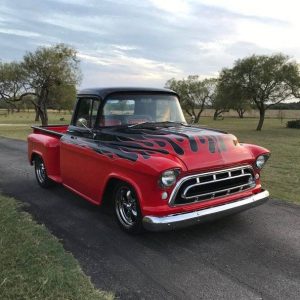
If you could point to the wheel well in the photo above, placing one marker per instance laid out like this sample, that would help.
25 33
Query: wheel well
108 192
33 157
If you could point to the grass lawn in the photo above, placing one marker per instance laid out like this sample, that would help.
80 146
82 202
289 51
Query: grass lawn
55 117
34 265
17 125
281 175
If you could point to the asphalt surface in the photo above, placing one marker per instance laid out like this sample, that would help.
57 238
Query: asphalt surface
253 255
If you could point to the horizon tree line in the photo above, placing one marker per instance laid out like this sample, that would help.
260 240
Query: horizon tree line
49 75
258 81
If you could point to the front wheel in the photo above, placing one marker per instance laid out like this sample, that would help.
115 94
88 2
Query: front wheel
127 209
41 173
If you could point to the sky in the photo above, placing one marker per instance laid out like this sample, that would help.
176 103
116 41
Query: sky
147 42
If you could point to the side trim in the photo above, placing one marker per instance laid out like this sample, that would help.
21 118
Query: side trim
176 221
80 194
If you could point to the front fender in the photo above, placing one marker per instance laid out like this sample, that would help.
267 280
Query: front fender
144 176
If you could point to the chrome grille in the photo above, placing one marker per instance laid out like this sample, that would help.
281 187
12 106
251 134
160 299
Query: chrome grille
211 185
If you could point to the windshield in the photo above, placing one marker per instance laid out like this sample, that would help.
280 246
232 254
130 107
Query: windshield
123 109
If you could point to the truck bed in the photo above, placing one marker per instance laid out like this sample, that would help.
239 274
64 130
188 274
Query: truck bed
56 130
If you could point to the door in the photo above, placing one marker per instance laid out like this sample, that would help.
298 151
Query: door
79 162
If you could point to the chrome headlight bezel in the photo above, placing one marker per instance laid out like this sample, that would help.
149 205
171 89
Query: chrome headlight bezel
168 178
261 160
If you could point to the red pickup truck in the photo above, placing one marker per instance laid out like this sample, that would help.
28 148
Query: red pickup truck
133 147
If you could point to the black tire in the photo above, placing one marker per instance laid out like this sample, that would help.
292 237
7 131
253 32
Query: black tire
127 209
41 173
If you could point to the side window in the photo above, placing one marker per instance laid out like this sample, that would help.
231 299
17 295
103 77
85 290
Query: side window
86 112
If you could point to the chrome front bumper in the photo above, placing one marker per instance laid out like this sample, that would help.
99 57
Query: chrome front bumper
181 220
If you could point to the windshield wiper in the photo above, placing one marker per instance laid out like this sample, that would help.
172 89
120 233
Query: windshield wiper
172 122
158 124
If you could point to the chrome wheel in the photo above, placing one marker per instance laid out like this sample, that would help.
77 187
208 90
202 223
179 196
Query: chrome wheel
40 171
126 206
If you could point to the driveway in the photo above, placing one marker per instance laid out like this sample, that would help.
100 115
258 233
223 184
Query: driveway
253 255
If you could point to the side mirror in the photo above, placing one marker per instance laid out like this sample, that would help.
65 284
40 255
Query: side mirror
82 122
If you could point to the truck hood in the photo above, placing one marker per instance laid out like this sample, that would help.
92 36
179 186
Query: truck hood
196 147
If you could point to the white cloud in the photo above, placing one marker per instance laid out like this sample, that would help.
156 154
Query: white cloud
76 23
268 24
128 69
175 7
148 42
125 47
17 32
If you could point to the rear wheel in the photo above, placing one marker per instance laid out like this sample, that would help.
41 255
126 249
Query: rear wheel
127 209
41 173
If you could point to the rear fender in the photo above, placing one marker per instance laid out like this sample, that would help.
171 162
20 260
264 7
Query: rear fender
48 148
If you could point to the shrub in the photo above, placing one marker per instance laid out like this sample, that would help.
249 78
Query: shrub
293 124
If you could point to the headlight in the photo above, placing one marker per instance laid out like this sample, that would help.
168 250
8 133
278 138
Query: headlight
168 178
261 160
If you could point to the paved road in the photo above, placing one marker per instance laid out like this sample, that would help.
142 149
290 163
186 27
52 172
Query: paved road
253 255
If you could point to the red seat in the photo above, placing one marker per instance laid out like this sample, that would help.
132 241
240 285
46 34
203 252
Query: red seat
108 121
137 119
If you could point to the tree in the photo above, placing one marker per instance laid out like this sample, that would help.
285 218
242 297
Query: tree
46 69
264 80
62 97
230 94
194 93
219 103
12 83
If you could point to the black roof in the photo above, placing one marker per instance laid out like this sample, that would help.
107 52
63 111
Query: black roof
103 92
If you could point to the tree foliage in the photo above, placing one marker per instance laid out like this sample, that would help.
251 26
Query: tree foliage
43 76
62 97
47 69
230 94
12 82
194 93
262 80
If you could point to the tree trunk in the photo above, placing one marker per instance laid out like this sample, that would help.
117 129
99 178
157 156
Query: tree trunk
37 115
218 112
216 115
43 114
240 113
262 111
197 116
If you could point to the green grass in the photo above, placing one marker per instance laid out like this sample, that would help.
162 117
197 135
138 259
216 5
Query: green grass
281 175
15 132
25 117
18 125
34 265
